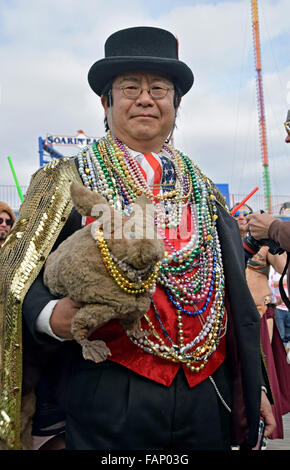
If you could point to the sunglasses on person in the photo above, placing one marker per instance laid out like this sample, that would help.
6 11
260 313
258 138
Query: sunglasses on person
236 214
7 221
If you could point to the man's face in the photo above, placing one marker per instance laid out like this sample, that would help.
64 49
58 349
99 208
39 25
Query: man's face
142 120
5 225
240 217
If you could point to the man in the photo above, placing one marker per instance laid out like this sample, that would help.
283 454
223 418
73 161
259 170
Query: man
194 383
7 219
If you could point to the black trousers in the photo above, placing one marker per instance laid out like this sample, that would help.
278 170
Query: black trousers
112 408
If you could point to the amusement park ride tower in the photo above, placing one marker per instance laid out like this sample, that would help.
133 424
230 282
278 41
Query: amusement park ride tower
261 110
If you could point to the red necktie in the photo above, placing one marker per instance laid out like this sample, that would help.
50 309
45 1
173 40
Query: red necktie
157 170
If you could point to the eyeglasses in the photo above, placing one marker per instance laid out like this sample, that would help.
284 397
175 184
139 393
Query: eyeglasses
132 91
7 221
287 127
236 214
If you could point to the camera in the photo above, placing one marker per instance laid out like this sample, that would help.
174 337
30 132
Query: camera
252 245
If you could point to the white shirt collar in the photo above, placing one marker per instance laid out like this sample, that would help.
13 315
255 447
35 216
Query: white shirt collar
135 153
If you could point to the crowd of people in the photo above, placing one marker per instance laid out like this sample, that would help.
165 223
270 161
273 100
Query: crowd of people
261 269
199 379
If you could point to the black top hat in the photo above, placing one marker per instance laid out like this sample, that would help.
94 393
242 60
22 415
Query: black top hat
140 48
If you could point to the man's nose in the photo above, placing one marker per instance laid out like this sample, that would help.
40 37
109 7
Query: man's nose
145 95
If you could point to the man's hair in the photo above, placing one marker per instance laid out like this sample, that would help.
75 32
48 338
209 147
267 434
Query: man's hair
107 93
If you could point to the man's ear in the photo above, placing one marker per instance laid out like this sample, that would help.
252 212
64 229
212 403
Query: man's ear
104 103
177 103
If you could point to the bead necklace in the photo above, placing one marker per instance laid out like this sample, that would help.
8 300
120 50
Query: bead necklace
125 284
132 273
123 158
209 337
184 287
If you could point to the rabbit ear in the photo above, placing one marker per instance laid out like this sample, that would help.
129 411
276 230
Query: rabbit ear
84 199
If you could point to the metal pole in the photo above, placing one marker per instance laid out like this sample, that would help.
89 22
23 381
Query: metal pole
260 98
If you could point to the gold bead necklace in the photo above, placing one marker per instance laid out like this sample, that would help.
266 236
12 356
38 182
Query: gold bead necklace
126 285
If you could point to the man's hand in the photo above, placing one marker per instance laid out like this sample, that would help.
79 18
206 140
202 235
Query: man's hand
62 315
267 415
258 225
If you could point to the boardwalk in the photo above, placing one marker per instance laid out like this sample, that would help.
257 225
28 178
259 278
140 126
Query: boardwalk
282 444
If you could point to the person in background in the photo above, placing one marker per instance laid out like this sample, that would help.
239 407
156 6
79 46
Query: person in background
287 127
7 219
282 313
263 226
257 274
241 217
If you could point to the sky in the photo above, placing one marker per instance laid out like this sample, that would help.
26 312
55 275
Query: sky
48 46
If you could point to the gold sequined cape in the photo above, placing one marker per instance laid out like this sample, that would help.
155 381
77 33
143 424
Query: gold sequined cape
45 209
